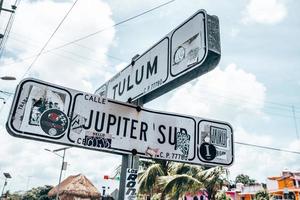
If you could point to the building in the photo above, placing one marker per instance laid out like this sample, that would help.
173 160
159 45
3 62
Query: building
76 187
286 186
242 192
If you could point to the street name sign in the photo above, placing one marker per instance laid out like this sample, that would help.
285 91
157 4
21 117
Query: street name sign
190 50
51 113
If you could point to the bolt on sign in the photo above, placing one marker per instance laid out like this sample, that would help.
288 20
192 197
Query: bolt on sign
51 113
131 187
187 52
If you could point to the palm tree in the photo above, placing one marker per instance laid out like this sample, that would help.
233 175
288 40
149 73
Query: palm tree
189 178
214 180
262 195
147 179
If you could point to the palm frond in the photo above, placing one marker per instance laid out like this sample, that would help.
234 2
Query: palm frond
147 179
177 185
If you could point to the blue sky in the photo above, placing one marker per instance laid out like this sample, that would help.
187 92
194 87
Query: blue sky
254 86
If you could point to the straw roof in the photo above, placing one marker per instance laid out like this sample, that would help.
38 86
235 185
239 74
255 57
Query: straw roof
78 186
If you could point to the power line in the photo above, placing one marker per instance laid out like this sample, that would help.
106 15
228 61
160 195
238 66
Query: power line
59 25
62 55
114 25
97 32
34 43
265 147
8 27
6 93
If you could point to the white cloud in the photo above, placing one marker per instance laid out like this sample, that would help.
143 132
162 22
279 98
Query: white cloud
227 94
234 32
25 159
265 12
261 163
73 66
78 68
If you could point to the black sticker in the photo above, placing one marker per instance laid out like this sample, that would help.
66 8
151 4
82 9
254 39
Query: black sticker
54 122
208 151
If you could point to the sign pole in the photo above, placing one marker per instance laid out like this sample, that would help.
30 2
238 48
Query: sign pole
124 166
131 161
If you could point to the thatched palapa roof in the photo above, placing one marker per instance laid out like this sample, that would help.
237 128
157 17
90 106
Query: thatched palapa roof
78 186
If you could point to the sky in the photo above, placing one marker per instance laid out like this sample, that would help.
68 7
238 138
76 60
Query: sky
254 87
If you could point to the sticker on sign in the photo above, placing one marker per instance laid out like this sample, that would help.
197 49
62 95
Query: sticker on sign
187 52
131 187
51 113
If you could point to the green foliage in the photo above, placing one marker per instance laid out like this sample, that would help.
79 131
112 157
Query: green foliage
178 185
262 195
148 178
245 179
14 196
222 196
174 180
39 193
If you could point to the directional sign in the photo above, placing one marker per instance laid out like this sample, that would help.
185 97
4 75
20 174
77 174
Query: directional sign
51 113
190 50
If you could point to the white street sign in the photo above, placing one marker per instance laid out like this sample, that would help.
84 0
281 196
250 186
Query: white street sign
190 50
51 113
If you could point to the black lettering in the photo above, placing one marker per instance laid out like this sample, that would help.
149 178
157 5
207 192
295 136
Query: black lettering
170 136
90 121
161 154
133 127
120 91
129 87
161 141
153 68
125 125
137 80
131 190
97 121
111 121
115 89
131 184
118 125
86 97
132 177
144 128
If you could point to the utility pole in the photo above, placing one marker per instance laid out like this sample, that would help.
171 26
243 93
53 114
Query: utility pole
63 167
6 175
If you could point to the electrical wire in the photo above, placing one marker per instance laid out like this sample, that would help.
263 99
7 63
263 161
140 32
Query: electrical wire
8 28
265 147
94 33
52 35
114 25
6 93
34 43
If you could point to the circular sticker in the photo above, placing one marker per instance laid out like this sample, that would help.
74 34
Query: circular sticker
54 122
208 151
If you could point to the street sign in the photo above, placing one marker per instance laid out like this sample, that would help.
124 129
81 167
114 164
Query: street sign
51 113
190 50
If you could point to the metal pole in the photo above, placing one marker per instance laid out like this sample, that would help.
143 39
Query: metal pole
128 160
124 166
3 187
62 165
